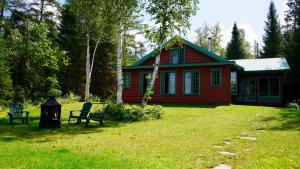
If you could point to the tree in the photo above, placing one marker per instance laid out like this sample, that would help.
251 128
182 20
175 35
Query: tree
273 40
213 32
5 79
126 11
246 45
293 56
171 16
235 48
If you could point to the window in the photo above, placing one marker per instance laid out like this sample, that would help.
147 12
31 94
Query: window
191 83
233 83
168 83
274 87
144 80
250 88
126 80
216 77
177 55
263 87
269 87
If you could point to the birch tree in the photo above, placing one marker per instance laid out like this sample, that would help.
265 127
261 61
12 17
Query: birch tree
91 15
171 16
126 11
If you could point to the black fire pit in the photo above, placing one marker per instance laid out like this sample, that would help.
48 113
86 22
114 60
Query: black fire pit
50 114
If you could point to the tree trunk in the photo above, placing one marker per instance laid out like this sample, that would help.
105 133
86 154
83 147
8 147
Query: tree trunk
42 10
153 77
87 68
119 63
2 15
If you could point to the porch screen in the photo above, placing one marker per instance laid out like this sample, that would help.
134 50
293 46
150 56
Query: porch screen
269 87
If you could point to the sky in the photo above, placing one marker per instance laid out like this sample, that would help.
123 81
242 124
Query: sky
250 15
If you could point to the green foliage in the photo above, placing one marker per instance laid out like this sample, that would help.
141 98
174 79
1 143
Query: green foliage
236 46
132 113
292 105
215 33
5 79
273 39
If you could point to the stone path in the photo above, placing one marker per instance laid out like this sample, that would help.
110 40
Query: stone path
227 153
222 166
248 138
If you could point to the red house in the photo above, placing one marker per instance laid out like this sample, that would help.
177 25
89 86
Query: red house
190 74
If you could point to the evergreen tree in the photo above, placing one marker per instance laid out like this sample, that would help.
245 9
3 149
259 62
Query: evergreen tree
5 79
273 39
294 57
235 48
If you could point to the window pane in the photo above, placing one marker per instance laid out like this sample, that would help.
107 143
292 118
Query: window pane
263 87
216 78
126 80
146 78
172 83
188 83
233 83
251 87
175 56
274 87
196 83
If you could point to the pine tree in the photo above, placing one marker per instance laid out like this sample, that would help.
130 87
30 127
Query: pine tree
294 57
5 79
235 48
273 39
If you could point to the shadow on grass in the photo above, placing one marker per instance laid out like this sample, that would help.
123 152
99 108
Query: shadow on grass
189 106
32 132
286 120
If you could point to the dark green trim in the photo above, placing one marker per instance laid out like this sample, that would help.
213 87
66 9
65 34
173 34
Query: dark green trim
192 87
188 43
141 83
129 85
162 83
212 78
181 65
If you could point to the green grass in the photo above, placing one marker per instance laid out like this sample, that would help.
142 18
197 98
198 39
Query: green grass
183 138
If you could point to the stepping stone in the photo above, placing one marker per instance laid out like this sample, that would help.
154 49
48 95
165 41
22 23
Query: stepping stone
222 166
227 153
248 138
216 146
226 142
243 133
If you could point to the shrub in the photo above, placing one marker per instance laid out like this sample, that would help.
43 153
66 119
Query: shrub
292 105
133 113
69 98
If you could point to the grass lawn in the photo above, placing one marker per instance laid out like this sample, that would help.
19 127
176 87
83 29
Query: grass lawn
183 138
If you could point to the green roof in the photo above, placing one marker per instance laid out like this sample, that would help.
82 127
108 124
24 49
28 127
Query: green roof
190 44
268 64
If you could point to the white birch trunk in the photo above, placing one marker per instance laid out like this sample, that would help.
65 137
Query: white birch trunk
87 69
119 63
153 77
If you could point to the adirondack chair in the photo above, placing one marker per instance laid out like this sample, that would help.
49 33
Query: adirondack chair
97 116
83 113
16 112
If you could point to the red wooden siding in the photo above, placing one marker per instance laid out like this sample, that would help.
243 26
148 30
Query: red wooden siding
208 94
191 56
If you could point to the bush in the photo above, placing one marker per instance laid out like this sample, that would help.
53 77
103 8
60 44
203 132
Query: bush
69 98
133 113
292 105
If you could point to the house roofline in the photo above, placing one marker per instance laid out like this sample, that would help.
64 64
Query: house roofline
190 44
181 65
